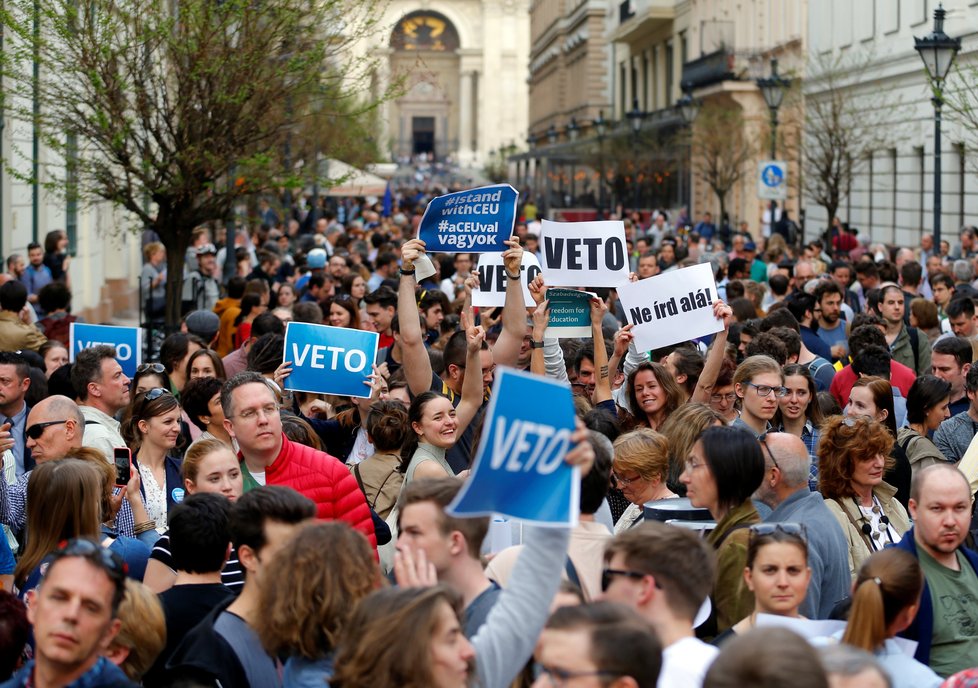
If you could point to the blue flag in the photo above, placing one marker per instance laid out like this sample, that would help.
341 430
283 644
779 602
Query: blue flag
329 360
126 340
519 469
473 221
388 201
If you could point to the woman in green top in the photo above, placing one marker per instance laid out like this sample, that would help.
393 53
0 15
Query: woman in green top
724 469
927 407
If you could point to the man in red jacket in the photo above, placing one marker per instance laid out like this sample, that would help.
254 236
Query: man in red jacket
251 416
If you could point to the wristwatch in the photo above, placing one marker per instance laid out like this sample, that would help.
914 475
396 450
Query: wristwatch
535 344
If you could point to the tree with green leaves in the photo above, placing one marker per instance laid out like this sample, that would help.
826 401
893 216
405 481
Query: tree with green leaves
175 109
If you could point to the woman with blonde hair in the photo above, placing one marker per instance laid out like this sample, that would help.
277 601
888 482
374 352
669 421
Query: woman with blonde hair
852 456
885 598
142 635
681 431
640 470
759 383
305 614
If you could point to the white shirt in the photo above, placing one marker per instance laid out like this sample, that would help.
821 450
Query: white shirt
684 663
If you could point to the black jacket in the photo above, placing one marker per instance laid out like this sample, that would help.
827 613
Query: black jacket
205 657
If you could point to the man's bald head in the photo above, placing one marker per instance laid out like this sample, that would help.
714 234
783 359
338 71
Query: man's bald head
938 473
792 457
61 426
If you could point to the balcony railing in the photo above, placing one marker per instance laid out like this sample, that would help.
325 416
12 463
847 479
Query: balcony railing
709 69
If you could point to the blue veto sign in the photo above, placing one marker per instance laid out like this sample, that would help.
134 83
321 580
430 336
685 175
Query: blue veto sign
128 343
329 360
473 221
519 470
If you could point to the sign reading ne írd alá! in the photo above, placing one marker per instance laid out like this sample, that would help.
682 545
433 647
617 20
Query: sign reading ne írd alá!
492 280
672 307
128 343
329 360
584 254
473 221
570 313
519 469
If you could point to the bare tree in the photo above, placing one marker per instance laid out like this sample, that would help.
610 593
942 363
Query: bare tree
721 149
840 131
174 110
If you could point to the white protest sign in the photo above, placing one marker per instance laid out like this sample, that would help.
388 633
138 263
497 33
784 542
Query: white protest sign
584 254
491 291
672 307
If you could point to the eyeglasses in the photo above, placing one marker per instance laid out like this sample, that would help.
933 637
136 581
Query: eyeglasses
765 390
252 413
156 393
608 575
559 677
35 431
762 440
109 561
764 529
157 368
729 398
618 480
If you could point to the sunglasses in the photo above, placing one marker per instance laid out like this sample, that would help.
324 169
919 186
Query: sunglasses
764 529
762 439
35 431
156 393
112 563
157 368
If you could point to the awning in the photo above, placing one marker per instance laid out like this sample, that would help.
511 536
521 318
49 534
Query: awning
352 181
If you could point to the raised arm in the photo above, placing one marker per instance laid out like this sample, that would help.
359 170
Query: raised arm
714 359
553 355
602 379
507 348
417 365
541 318
472 392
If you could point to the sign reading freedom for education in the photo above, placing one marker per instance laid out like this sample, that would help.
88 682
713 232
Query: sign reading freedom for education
329 360
492 280
570 313
673 307
584 254
128 343
473 221
519 469
772 180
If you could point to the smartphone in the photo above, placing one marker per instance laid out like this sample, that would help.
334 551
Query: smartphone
123 465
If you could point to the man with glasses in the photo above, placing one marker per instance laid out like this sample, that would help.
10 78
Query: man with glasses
75 616
103 390
251 416
595 645
665 574
785 490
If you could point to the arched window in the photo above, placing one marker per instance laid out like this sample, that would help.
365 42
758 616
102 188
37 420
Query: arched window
425 30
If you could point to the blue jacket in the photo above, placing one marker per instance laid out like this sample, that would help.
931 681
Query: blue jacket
922 627
104 674
174 481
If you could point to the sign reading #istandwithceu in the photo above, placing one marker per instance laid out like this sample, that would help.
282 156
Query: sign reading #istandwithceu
672 307
329 360
519 469
473 221
128 343
584 254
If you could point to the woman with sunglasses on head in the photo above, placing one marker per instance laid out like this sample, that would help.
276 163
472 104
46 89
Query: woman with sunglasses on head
151 428
799 413
343 312
885 599
759 384
872 397
211 467
724 469
852 456
777 573
149 376
927 407
639 470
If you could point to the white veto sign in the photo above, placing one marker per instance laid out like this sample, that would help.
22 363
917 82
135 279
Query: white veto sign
772 180
584 254
673 307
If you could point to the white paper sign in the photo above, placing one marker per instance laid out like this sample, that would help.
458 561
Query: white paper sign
673 307
584 254
492 280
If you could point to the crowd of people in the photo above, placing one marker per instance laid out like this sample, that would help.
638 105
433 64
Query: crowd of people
823 440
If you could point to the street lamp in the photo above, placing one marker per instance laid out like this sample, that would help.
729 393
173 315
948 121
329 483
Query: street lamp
688 108
937 50
773 89
601 129
573 129
635 117
552 134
